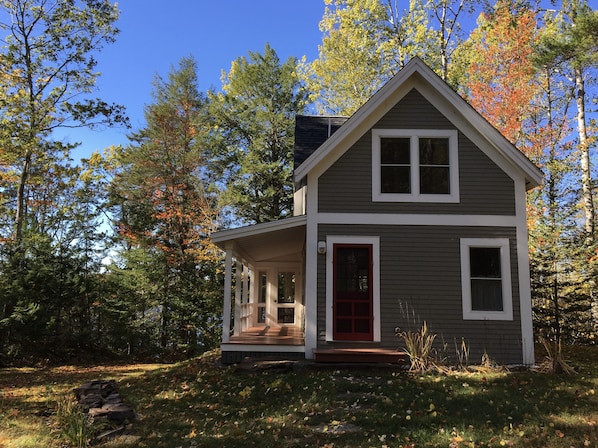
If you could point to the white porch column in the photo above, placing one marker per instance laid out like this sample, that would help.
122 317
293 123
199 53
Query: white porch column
238 296
311 269
228 273
244 298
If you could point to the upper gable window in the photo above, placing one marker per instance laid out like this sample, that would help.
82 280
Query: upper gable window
415 165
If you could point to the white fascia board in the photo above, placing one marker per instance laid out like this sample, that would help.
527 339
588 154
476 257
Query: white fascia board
468 114
258 229
361 121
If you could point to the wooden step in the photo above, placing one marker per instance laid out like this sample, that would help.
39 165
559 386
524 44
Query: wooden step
360 355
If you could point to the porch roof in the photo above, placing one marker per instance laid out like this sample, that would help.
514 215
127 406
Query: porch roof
276 241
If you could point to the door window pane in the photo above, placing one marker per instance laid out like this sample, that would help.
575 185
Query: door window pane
352 271
261 314
362 326
286 287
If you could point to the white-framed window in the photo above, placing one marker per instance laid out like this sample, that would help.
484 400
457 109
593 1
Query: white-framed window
486 279
415 165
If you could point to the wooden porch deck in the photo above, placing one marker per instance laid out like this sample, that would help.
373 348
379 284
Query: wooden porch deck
270 335
360 355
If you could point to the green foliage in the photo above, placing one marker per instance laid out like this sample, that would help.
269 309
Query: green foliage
575 41
562 256
48 73
251 150
76 427
366 42
569 46
168 267
52 289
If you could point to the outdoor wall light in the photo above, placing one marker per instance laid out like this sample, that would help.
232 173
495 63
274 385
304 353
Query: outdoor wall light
322 247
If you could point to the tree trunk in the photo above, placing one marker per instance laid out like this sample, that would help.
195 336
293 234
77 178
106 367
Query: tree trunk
22 200
587 198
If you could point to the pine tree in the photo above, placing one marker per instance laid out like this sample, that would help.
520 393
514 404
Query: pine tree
165 215
251 153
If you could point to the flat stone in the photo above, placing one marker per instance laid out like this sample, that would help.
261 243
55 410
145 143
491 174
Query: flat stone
118 413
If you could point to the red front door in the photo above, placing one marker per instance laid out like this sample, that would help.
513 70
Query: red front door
352 292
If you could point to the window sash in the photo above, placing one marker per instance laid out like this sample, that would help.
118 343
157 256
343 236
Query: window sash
415 165
486 279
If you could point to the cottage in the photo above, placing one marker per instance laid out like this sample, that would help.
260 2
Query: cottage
412 210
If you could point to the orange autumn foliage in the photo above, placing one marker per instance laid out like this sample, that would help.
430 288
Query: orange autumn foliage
500 80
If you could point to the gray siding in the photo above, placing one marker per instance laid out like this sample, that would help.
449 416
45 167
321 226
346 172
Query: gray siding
346 187
421 281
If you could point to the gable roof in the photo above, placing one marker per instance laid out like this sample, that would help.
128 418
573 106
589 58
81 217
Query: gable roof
416 74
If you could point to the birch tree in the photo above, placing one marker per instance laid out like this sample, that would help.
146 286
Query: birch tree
574 50
366 42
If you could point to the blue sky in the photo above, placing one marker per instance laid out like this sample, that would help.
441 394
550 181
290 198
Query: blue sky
155 35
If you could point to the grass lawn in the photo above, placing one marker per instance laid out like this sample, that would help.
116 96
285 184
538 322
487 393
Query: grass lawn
202 404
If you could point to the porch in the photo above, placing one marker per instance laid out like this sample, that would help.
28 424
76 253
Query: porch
281 342
264 312
269 335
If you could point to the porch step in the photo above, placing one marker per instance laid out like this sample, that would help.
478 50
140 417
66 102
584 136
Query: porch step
360 355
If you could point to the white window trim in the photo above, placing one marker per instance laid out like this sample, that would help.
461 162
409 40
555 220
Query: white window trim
375 242
415 135
505 260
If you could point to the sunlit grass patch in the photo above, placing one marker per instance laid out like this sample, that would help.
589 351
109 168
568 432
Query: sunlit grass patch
202 403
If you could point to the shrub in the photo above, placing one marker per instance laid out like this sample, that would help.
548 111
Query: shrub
554 361
418 346
76 426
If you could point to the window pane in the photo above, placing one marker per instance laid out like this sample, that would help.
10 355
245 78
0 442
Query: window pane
286 315
486 295
261 314
485 262
396 179
486 281
433 151
395 151
286 287
434 180
263 287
